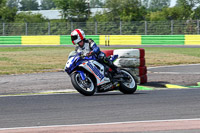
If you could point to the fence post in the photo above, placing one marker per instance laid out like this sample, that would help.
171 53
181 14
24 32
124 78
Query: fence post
49 28
3 33
71 26
108 40
120 27
95 28
105 40
146 28
26 28
172 27
197 26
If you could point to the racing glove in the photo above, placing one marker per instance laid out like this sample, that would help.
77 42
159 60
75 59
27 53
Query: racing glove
89 54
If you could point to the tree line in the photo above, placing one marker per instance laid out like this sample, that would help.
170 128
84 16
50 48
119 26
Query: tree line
114 10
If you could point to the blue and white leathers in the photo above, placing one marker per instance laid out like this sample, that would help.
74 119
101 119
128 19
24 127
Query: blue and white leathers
89 45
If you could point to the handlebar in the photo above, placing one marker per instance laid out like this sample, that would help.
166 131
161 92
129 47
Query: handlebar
82 56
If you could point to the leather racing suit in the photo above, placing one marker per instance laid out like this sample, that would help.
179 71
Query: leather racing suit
90 47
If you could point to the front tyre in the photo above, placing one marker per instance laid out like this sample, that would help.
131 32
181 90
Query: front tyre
128 86
85 87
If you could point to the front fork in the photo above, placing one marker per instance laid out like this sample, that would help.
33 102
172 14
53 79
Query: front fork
84 79
82 74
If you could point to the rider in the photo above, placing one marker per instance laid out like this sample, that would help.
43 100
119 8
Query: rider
88 47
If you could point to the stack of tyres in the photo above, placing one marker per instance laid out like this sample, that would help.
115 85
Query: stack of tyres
108 52
132 60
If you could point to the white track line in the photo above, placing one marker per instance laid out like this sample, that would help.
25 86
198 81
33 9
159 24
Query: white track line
96 124
174 66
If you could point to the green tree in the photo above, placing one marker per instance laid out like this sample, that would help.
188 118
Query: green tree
175 13
6 13
191 3
13 3
35 24
124 10
186 7
73 10
145 3
47 4
96 3
63 5
27 5
2 3
29 17
155 5
183 10
196 13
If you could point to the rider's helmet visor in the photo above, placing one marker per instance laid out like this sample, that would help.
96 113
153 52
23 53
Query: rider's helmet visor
74 37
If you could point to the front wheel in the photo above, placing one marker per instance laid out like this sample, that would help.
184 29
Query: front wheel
128 86
85 87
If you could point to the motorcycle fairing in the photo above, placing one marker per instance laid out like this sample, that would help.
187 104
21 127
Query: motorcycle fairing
90 66
75 61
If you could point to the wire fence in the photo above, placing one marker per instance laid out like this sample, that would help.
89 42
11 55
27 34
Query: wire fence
102 28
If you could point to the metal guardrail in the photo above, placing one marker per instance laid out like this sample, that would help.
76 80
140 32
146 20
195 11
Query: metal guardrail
103 28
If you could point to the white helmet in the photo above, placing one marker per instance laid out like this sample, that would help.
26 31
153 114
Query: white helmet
77 35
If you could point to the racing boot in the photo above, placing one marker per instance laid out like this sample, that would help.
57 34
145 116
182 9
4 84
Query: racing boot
117 73
116 70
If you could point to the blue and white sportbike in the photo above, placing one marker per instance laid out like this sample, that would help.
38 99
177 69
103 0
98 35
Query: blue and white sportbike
88 76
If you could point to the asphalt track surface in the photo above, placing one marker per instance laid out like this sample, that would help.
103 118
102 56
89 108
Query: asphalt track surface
187 75
179 106
70 109
158 77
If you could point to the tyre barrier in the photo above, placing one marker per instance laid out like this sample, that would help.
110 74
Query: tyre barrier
108 52
129 53
140 79
132 60
140 71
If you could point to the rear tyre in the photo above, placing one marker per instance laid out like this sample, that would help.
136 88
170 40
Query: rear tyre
129 85
86 88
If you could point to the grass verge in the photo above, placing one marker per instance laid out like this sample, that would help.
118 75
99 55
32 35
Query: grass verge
19 60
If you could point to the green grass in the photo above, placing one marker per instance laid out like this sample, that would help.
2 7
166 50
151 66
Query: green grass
18 60
172 56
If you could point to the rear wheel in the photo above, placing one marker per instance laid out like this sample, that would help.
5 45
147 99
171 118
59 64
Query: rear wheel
85 87
128 86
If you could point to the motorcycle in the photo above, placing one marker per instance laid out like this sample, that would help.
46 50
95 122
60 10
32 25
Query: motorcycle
88 76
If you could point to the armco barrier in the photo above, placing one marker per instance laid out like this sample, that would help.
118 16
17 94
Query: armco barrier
40 40
162 40
108 40
192 39
10 40
66 39
120 39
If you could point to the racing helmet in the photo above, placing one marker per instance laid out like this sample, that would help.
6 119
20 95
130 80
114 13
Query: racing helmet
77 35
